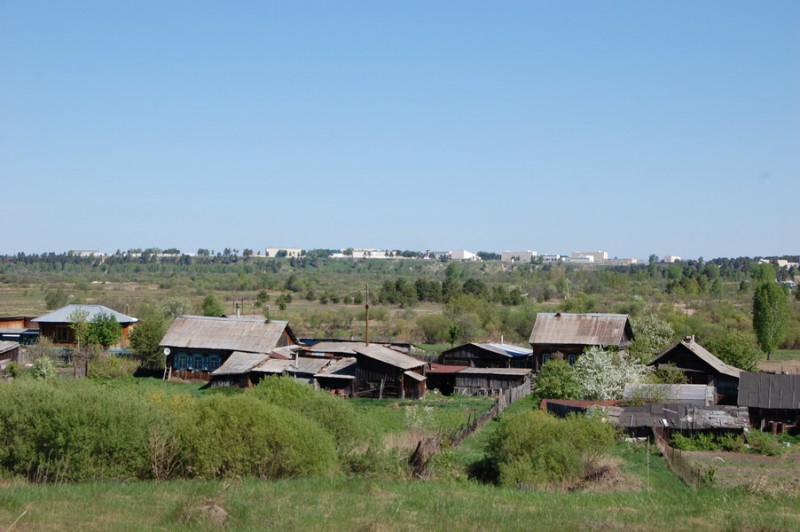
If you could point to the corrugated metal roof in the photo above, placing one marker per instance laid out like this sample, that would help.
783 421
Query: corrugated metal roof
680 416
702 353
582 329
388 356
63 314
273 366
304 365
201 332
337 348
769 390
239 363
697 394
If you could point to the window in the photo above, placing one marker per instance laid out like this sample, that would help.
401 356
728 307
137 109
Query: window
572 360
545 358
213 362
181 361
62 334
198 362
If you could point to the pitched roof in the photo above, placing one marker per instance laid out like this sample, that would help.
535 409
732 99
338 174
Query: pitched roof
63 314
240 362
769 390
581 329
513 372
344 368
504 350
703 354
388 356
201 332
7 346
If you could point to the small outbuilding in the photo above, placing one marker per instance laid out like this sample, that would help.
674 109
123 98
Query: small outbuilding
702 367
566 336
489 355
383 372
772 399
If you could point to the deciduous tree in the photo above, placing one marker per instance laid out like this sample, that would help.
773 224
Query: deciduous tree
770 315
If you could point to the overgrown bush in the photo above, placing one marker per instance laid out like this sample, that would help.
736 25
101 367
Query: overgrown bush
535 448
763 443
335 415
228 436
106 366
73 431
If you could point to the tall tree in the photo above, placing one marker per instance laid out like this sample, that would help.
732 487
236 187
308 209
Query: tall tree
212 306
770 315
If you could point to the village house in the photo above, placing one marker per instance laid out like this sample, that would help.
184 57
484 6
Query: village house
20 329
481 381
382 372
702 367
565 336
489 355
196 346
57 325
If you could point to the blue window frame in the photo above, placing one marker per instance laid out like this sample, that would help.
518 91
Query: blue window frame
181 361
213 362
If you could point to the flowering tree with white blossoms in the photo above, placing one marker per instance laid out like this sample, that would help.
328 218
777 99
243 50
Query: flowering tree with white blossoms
603 374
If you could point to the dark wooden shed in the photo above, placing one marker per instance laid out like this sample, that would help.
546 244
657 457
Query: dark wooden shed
772 398
702 367
490 355
383 372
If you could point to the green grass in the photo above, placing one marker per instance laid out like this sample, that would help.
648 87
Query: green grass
317 504
785 355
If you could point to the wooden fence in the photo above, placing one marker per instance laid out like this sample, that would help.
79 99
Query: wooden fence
427 447
691 475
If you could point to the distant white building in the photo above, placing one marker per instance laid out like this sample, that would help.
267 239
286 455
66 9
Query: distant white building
289 252
585 259
597 256
672 258
86 253
464 255
549 257
363 253
518 256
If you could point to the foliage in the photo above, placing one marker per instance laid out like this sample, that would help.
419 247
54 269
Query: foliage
557 380
104 330
603 374
80 326
43 368
54 299
212 307
230 436
708 441
106 366
770 315
145 338
652 336
434 328
668 374
335 415
764 443
735 348
534 448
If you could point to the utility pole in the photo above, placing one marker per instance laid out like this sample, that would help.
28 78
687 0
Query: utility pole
366 328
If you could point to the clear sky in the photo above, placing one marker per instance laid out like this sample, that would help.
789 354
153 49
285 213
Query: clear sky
666 127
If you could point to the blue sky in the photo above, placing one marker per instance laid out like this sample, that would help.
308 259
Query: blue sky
628 126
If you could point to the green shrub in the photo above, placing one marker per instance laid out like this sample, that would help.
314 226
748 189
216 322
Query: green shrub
227 436
334 414
763 443
44 368
74 431
535 448
112 367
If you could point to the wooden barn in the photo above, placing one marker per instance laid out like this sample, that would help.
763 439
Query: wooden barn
702 367
772 399
57 325
9 352
383 372
565 336
477 355
196 346
339 377
493 381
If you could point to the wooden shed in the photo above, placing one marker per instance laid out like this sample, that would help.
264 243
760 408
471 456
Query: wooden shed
199 345
489 355
565 336
383 372
57 325
9 352
493 381
771 398
702 367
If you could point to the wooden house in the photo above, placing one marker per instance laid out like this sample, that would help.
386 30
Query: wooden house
702 367
339 377
9 352
383 372
565 336
492 381
772 399
196 346
57 325
490 355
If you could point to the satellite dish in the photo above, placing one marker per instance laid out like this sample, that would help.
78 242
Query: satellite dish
166 351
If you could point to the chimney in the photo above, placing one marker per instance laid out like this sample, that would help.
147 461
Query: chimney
689 339
238 310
